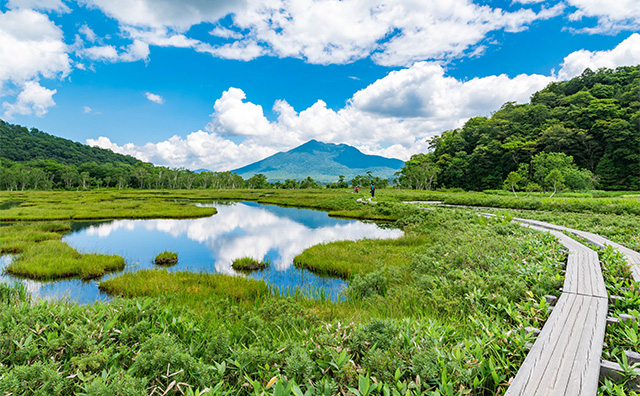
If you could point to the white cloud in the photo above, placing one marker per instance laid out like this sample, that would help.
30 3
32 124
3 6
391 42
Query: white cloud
613 16
34 99
223 32
89 34
31 46
627 53
392 32
178 15
154 98
45 5
528 1
393 117
87 109
136 51
435 103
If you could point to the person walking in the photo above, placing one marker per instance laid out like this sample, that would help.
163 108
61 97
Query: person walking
373 190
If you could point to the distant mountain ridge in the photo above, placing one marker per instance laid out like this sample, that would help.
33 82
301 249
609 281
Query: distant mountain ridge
324 162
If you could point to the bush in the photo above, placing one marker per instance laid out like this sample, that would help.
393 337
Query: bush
373 283
299 365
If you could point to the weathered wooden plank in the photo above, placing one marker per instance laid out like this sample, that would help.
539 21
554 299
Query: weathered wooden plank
583 274
565 359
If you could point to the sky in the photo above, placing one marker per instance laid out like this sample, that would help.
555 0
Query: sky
219 84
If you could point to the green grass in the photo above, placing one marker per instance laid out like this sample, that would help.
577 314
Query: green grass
187 285
54 259
247 264
91 205
16 238
447 302
166 258
344 259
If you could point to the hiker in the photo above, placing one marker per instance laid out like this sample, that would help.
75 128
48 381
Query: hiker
373 190
357 189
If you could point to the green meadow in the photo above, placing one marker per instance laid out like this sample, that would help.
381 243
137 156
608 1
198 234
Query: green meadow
439 311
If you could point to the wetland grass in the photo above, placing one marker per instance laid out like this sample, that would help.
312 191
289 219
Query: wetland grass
93 205
16 238
188 285
447 303
166 258
249 264
54 260
344 259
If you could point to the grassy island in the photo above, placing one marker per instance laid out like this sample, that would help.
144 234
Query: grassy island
249 264
166 258
54 259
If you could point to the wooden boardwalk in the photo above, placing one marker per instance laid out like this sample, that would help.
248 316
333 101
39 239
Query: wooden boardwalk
632 257
565 358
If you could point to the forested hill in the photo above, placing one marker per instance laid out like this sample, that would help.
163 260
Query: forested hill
594 117
20 144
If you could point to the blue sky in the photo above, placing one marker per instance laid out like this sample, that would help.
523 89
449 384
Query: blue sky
220 84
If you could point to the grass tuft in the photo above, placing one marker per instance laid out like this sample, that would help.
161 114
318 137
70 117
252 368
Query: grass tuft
166 258
249 264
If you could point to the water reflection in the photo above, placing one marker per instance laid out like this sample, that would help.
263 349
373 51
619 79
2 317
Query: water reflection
211 244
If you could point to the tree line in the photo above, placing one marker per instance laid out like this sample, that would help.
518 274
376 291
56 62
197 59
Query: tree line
50 175
587 129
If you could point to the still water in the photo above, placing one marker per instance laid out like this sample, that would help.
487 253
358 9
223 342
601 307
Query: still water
211 244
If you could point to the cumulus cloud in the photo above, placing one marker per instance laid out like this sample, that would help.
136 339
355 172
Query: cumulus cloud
45 5
392 32
178 15
31 46
626 53
434 102
34 99
613 16
87 109
154 98
393 116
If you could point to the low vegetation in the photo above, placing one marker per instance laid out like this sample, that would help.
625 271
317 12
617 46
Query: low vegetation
16 237
249 264
441 310
166 258
54 259
185 285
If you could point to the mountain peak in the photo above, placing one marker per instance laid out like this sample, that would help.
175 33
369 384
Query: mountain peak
324 162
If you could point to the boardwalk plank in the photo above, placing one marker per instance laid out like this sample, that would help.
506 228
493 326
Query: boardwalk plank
565 359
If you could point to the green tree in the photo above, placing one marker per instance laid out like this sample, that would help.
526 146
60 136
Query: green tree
512 181
556 179
257 181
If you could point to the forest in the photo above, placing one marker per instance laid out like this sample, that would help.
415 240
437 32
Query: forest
587 128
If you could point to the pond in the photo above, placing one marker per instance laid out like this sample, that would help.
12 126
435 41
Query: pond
211 244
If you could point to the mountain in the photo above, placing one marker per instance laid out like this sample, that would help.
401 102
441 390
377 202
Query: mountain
324 162
20 144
